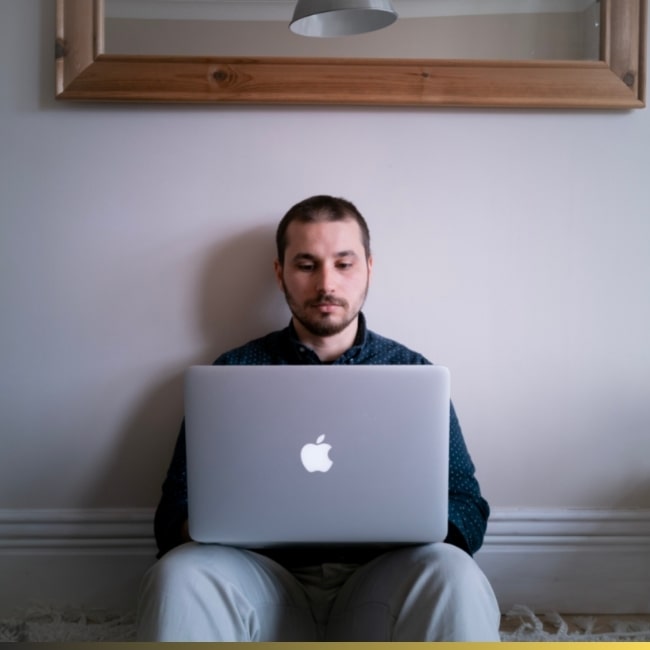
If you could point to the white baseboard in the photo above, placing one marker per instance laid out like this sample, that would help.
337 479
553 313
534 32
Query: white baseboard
570 561
70 559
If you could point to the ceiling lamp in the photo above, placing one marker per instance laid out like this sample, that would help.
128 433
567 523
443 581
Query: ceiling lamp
341 17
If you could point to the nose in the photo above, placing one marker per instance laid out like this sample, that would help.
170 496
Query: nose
325 283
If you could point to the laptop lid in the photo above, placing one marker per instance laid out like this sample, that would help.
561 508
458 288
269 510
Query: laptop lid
285 455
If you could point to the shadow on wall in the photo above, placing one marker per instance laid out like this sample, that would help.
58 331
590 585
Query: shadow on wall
636 495
240 299
237 300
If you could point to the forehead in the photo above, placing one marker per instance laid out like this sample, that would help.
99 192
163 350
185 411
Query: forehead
324 237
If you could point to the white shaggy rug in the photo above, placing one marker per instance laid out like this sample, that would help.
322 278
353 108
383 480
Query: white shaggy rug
520 624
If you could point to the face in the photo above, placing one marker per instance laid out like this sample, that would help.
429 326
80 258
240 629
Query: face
325 275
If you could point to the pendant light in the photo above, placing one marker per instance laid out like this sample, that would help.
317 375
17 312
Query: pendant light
341 17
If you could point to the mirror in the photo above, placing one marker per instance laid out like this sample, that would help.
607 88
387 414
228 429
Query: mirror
506 53
433 29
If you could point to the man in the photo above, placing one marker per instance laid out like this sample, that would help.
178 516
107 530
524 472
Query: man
432 592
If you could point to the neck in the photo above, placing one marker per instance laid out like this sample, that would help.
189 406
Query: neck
328 348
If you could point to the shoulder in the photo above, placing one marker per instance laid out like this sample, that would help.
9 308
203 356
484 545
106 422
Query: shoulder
260 351
383 350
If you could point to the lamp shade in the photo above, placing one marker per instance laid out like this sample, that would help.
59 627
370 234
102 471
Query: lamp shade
341 17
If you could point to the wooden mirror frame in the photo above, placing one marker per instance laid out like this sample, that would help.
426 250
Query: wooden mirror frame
617 81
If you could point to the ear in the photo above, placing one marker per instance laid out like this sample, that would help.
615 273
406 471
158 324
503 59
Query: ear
277 268
369 267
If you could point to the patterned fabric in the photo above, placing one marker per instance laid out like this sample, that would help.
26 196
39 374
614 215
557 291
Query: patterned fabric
468 510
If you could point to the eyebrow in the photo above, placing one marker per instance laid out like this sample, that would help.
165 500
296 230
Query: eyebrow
310 257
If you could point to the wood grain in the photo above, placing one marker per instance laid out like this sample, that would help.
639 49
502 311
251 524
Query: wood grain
615 82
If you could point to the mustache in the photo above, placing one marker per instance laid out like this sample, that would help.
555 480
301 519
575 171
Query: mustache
328 300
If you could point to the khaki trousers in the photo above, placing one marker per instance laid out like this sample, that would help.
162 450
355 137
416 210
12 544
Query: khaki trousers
434 592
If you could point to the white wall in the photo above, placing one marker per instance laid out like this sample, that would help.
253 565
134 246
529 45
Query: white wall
512 246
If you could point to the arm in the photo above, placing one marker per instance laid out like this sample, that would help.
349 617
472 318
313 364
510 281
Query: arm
468 510
170 522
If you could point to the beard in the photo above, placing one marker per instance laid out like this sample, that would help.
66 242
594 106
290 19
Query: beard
324 324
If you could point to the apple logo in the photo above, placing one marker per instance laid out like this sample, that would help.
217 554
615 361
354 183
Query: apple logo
315 457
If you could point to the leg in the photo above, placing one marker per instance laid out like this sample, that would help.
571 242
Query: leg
215 593
425 593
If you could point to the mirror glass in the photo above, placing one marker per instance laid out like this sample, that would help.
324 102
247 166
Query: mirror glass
425 29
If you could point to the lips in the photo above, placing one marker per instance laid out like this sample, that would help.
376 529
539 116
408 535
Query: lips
327 307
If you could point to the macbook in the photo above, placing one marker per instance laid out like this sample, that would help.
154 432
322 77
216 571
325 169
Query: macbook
333 454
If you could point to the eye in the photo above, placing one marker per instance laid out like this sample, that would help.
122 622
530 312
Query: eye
344 265
306 267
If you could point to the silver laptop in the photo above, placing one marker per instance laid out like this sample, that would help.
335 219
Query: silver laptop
293 455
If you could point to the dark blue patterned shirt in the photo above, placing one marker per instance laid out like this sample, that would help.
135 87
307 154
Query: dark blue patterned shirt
468 510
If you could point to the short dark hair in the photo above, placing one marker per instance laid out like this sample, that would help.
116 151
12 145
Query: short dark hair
320 208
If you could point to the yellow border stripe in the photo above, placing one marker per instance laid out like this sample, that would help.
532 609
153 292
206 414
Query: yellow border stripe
534 645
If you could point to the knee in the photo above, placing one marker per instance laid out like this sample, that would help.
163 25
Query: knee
182 568
450 567
450 558
170 572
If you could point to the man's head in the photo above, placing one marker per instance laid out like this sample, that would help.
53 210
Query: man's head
324 264
316 209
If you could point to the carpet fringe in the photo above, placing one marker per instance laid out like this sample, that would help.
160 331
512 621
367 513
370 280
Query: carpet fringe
552 626
77 625
44 624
